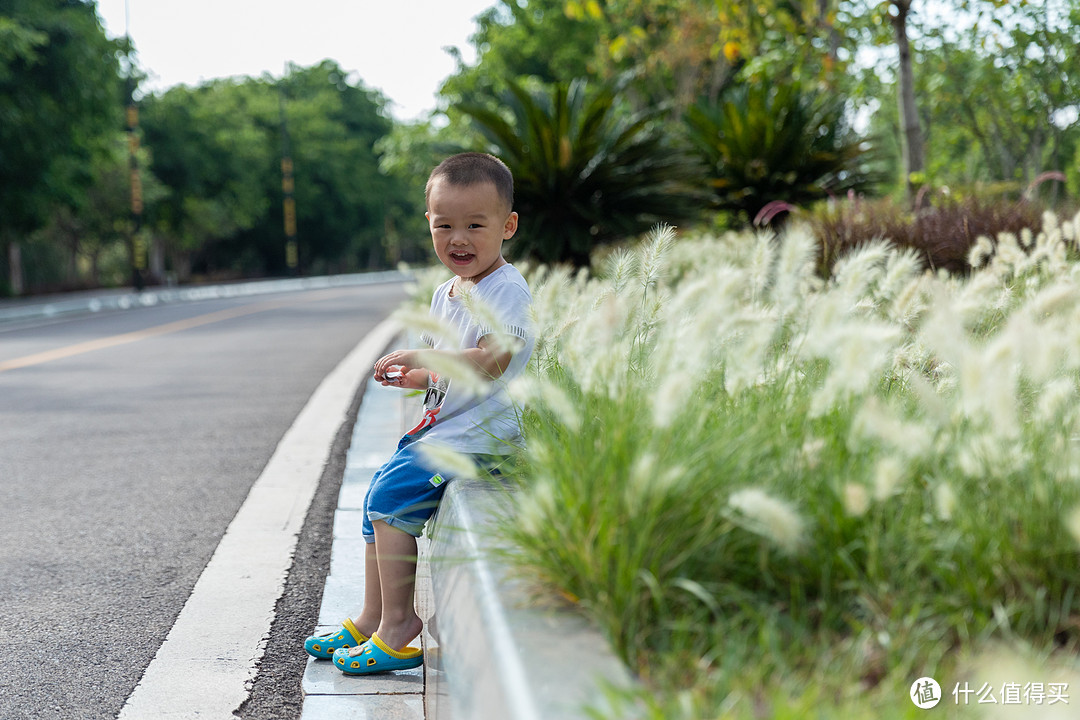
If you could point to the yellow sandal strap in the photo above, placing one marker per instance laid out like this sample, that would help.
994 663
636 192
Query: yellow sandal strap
406 653
357 635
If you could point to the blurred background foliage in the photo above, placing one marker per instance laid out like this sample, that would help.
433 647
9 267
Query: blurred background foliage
613 114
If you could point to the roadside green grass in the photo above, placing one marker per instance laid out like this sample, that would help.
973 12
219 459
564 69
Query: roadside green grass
782 497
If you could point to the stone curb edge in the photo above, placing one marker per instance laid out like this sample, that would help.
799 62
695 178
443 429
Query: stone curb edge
500 656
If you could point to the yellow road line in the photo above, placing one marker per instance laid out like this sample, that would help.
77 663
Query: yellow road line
157 331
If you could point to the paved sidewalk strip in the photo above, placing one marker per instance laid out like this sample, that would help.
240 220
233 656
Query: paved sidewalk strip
385 414
205 666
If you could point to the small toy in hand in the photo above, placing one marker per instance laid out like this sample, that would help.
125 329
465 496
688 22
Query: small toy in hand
394 373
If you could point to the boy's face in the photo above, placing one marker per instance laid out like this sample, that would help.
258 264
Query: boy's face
468 225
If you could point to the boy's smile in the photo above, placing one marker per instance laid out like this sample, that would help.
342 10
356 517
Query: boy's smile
461 258
468 224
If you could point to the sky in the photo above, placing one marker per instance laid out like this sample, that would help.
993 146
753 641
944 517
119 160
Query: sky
395 46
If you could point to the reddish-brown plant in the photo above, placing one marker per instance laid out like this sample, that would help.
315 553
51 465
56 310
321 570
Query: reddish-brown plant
943 233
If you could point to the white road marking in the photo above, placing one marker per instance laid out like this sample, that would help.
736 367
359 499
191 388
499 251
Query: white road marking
206 665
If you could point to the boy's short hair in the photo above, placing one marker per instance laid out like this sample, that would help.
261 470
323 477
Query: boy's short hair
472 168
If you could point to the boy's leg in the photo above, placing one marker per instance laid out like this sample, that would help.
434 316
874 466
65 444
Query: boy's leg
368 619
324 645
396 550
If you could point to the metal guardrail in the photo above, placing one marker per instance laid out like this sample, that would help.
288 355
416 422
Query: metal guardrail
109 301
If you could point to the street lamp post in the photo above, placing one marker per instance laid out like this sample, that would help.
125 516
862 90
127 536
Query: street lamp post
292 254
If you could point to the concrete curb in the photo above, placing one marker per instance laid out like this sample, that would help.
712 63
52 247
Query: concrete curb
501 657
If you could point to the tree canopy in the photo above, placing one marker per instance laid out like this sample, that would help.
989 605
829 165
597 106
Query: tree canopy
61 93
989 89
218 148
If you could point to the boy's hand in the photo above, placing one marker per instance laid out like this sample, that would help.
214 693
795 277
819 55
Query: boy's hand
399 369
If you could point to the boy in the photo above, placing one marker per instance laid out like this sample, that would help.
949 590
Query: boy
470 213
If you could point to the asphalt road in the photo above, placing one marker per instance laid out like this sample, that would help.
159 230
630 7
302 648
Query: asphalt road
128 441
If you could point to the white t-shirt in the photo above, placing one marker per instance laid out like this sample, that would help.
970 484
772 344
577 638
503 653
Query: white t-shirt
485 423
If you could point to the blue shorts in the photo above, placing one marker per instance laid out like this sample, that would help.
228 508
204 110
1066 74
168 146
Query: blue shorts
404 492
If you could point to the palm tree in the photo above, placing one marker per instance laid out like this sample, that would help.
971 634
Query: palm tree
765 143
587 170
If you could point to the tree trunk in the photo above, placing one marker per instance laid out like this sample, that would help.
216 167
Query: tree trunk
914 154
1007 161
1055 155
824 9
181 264
95 267
71 233
157 259
15 268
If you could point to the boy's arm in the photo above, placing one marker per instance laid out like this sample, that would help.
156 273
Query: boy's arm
490 359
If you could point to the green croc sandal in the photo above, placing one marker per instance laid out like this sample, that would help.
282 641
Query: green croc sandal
375 656
323 646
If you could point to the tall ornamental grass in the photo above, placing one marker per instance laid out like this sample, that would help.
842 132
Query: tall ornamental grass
782 496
